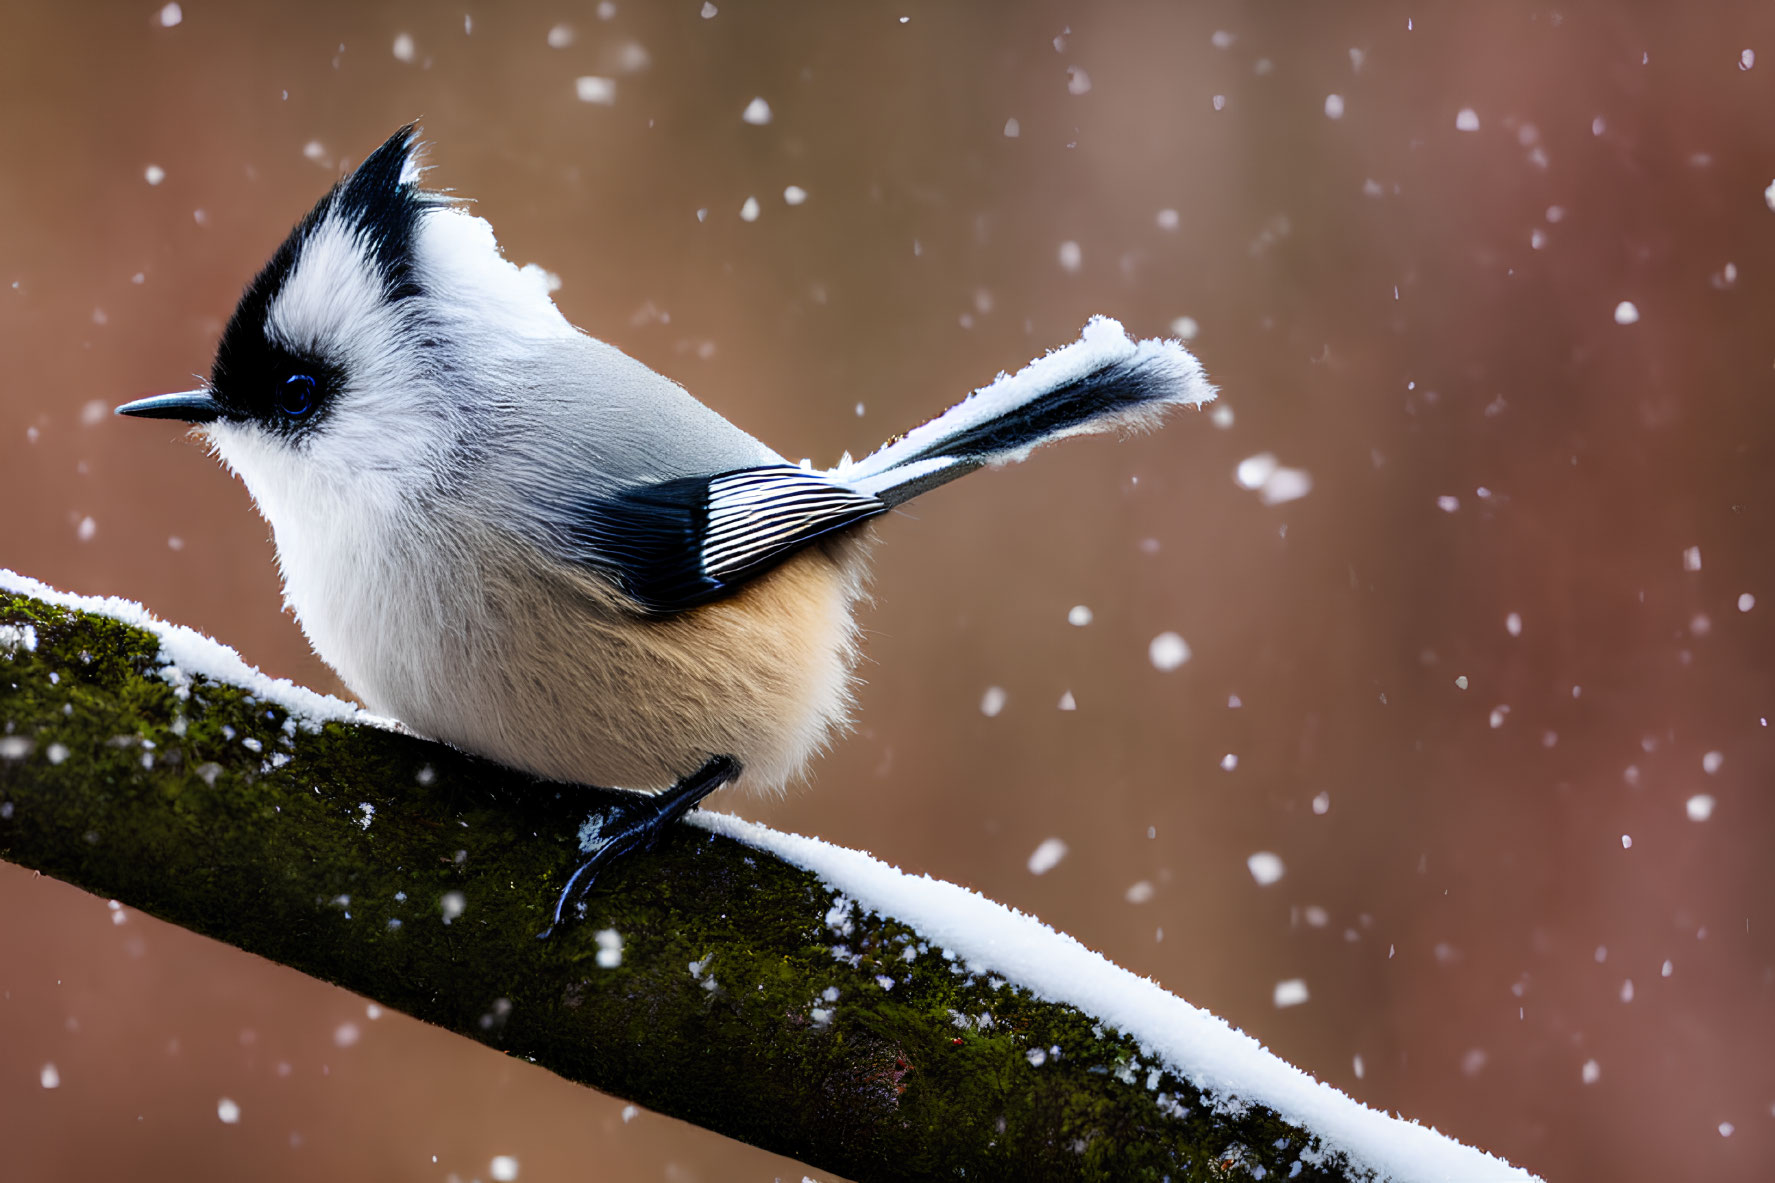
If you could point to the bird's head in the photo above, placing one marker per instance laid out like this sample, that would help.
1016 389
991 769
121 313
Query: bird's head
359 352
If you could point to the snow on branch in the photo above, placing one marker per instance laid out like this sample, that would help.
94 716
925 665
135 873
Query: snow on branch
799 996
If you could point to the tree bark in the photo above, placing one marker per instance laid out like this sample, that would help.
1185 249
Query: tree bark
707 979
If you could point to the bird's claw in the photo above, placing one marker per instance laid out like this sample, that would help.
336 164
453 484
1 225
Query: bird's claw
635 826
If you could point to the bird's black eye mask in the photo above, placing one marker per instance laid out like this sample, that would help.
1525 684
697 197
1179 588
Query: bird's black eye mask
285 393
255 379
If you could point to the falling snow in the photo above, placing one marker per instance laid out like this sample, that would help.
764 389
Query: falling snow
1291 992
1265 867
1047 856
592 88
1273 483
1167 651
609 948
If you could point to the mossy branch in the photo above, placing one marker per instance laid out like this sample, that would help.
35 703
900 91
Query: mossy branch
707 980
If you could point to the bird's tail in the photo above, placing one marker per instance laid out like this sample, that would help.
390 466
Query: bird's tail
1104 381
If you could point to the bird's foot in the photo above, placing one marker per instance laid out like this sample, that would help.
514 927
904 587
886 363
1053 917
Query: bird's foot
634 826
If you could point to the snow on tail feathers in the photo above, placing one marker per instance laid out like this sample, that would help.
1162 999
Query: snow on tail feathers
1104 381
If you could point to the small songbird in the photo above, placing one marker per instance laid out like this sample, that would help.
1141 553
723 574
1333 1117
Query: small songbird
517 539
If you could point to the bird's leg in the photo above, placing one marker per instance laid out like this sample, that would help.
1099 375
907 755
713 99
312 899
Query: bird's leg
635 825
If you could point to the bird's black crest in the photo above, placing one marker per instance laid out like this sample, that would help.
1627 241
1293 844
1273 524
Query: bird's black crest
249 368
387 209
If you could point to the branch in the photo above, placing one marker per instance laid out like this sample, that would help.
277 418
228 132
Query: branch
876 1025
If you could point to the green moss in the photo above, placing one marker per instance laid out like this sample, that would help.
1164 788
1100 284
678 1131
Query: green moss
213 813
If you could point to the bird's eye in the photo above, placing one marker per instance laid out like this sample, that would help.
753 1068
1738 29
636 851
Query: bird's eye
295 398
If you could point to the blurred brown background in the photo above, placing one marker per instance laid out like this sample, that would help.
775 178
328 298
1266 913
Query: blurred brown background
1412 292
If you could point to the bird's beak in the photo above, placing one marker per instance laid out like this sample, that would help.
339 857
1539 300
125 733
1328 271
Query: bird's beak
193 406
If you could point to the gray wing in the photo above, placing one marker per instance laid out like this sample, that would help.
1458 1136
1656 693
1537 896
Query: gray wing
590 418
619 469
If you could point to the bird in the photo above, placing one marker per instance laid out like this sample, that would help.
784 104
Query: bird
513 537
